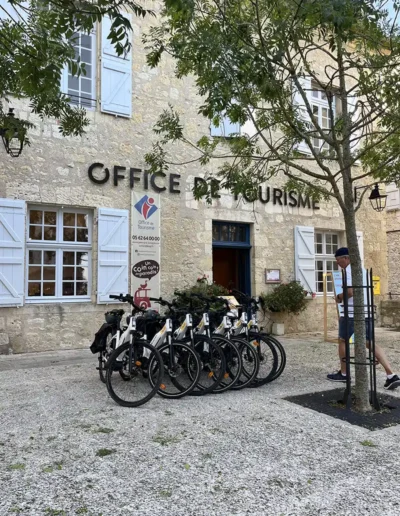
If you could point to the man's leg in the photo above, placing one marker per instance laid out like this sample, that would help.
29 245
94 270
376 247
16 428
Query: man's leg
342 355
382 359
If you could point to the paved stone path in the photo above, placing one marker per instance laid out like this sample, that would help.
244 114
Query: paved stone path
239 453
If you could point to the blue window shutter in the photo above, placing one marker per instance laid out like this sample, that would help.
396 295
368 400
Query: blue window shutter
305 256
12 252
113 253
116 76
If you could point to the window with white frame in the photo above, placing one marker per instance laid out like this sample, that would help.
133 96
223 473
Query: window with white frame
59 244
321 111
326 244
82 90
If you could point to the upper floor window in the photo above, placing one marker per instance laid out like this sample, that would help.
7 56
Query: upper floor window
59 244
82 90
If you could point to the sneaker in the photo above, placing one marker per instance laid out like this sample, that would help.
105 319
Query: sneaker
336 377
393 383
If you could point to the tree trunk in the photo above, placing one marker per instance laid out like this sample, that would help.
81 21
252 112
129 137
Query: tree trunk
361 390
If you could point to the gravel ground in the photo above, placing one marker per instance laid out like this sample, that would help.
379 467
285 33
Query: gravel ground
239 453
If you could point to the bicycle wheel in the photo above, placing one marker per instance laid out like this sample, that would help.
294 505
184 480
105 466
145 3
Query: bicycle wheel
268 358
281 355
233 363
181 370
134 389
250 363
105 354
212 364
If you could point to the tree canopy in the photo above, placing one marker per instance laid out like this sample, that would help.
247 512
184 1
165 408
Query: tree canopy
37 41
313 84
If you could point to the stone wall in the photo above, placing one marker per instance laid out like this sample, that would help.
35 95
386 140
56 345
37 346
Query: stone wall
53 171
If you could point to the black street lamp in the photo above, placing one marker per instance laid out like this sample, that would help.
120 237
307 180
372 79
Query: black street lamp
378 201
12 143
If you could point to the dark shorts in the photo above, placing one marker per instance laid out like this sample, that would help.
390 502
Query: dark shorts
350 328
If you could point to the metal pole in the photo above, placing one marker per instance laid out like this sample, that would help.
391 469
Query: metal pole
347 344
375 401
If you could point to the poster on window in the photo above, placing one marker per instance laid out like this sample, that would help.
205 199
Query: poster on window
146 247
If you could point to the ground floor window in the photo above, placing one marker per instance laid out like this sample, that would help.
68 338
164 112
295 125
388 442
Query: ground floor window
326 244
59 245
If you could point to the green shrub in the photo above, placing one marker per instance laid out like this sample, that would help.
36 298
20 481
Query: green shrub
287 297
203 287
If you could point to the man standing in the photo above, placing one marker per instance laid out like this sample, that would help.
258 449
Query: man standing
392 381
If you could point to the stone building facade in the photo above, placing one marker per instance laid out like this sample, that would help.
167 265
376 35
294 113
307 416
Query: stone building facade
391 301
57 194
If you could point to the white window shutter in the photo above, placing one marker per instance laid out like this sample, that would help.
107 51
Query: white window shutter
12 252
393 197
113 253
355 113
360 241
305 83
304 248
116 76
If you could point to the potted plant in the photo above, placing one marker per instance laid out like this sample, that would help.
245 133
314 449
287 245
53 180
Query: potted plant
287 298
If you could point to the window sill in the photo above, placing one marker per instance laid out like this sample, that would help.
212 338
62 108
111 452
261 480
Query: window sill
58 300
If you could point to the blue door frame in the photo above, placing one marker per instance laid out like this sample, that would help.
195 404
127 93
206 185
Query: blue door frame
232 235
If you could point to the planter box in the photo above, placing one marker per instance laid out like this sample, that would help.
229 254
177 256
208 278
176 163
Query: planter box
278 328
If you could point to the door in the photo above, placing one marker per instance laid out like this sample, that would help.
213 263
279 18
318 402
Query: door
231 255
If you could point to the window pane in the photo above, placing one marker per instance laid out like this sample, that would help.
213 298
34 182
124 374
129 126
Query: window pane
82 259
49 257
224 233
35 217
335 266
86 85
68 258
35 273
49 273
50 218
242 234
82 220
69 219
50 232
86 56
68 289
81 273
82 235
81 288
318 248
49 289
318 237
215 232
35 257
233 233
34 289
328 238
69 235
35 232
319 265
86 41
73 83
68 273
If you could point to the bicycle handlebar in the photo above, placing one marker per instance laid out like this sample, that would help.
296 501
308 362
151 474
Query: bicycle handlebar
127 298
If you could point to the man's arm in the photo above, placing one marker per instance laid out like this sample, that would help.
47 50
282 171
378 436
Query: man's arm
339 297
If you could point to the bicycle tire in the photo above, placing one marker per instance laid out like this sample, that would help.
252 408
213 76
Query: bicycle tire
268 357
233 363
185 359
212 364
250 363
105 354
120 357
281 355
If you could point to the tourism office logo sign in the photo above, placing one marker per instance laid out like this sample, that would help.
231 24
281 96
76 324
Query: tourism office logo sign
146 207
